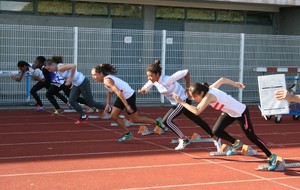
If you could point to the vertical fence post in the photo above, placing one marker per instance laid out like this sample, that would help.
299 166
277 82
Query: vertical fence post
163 59
75 45
27 98
241 65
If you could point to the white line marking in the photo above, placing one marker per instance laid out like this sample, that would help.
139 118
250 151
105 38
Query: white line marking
103 169
214 183
138 167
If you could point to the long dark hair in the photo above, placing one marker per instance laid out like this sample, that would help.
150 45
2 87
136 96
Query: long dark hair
41 59
40 62
198 88
22 64
106 69
155 67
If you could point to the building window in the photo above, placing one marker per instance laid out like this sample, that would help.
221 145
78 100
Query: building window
55 7
230 16
17 6
259 18
91 9
124 10
172 13
201 14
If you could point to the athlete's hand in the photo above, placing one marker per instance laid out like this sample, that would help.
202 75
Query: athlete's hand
177 98
35 78
239 85
129 109
142 91
68 82
14 77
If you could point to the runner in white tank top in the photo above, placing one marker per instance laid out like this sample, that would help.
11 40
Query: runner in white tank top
227 103
81 85
57 85
168 85
25 69
126 98
123 86
232 110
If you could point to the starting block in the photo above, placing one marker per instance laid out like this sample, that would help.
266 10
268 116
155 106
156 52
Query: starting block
246 151
69 110
280 165
145 131
195 139
128 123
102 116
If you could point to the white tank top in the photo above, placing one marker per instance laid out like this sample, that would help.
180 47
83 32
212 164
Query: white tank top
35 72
77 79
227 103
123 86
167 85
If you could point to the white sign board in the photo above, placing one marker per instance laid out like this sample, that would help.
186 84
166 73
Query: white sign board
267 85
169 41
128 39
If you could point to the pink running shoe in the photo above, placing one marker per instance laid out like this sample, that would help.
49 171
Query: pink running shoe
82 119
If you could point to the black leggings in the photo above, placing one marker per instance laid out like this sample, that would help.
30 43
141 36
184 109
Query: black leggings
177 110
225 120
33 91
40 85
54 90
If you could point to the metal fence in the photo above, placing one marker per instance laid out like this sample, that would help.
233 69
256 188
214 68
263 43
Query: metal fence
208 56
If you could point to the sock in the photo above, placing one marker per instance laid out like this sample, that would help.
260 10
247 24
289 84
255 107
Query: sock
109 109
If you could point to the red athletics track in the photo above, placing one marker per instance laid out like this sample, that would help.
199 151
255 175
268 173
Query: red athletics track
41 152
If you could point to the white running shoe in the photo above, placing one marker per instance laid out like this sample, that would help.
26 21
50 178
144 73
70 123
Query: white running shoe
218 144
182 144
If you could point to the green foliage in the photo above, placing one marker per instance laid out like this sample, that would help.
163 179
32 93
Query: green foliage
170 13
201 14
90 9
230 16
28 7
56 7
132 11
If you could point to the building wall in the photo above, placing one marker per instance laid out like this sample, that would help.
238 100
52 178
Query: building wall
289 21
229 28
18 19
286 22
149 23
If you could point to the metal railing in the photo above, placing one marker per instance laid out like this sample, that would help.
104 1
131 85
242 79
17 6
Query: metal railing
208 56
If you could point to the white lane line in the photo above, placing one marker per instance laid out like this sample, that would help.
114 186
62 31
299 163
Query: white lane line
215 183
104 169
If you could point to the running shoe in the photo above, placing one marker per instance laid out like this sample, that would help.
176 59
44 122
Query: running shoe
182 144
126 137
234 147
68 105
160 124
218 144
39 108
82 119
272 161
56 112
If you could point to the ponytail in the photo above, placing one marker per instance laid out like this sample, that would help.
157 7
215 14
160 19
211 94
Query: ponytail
155 67
106 69
198 88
